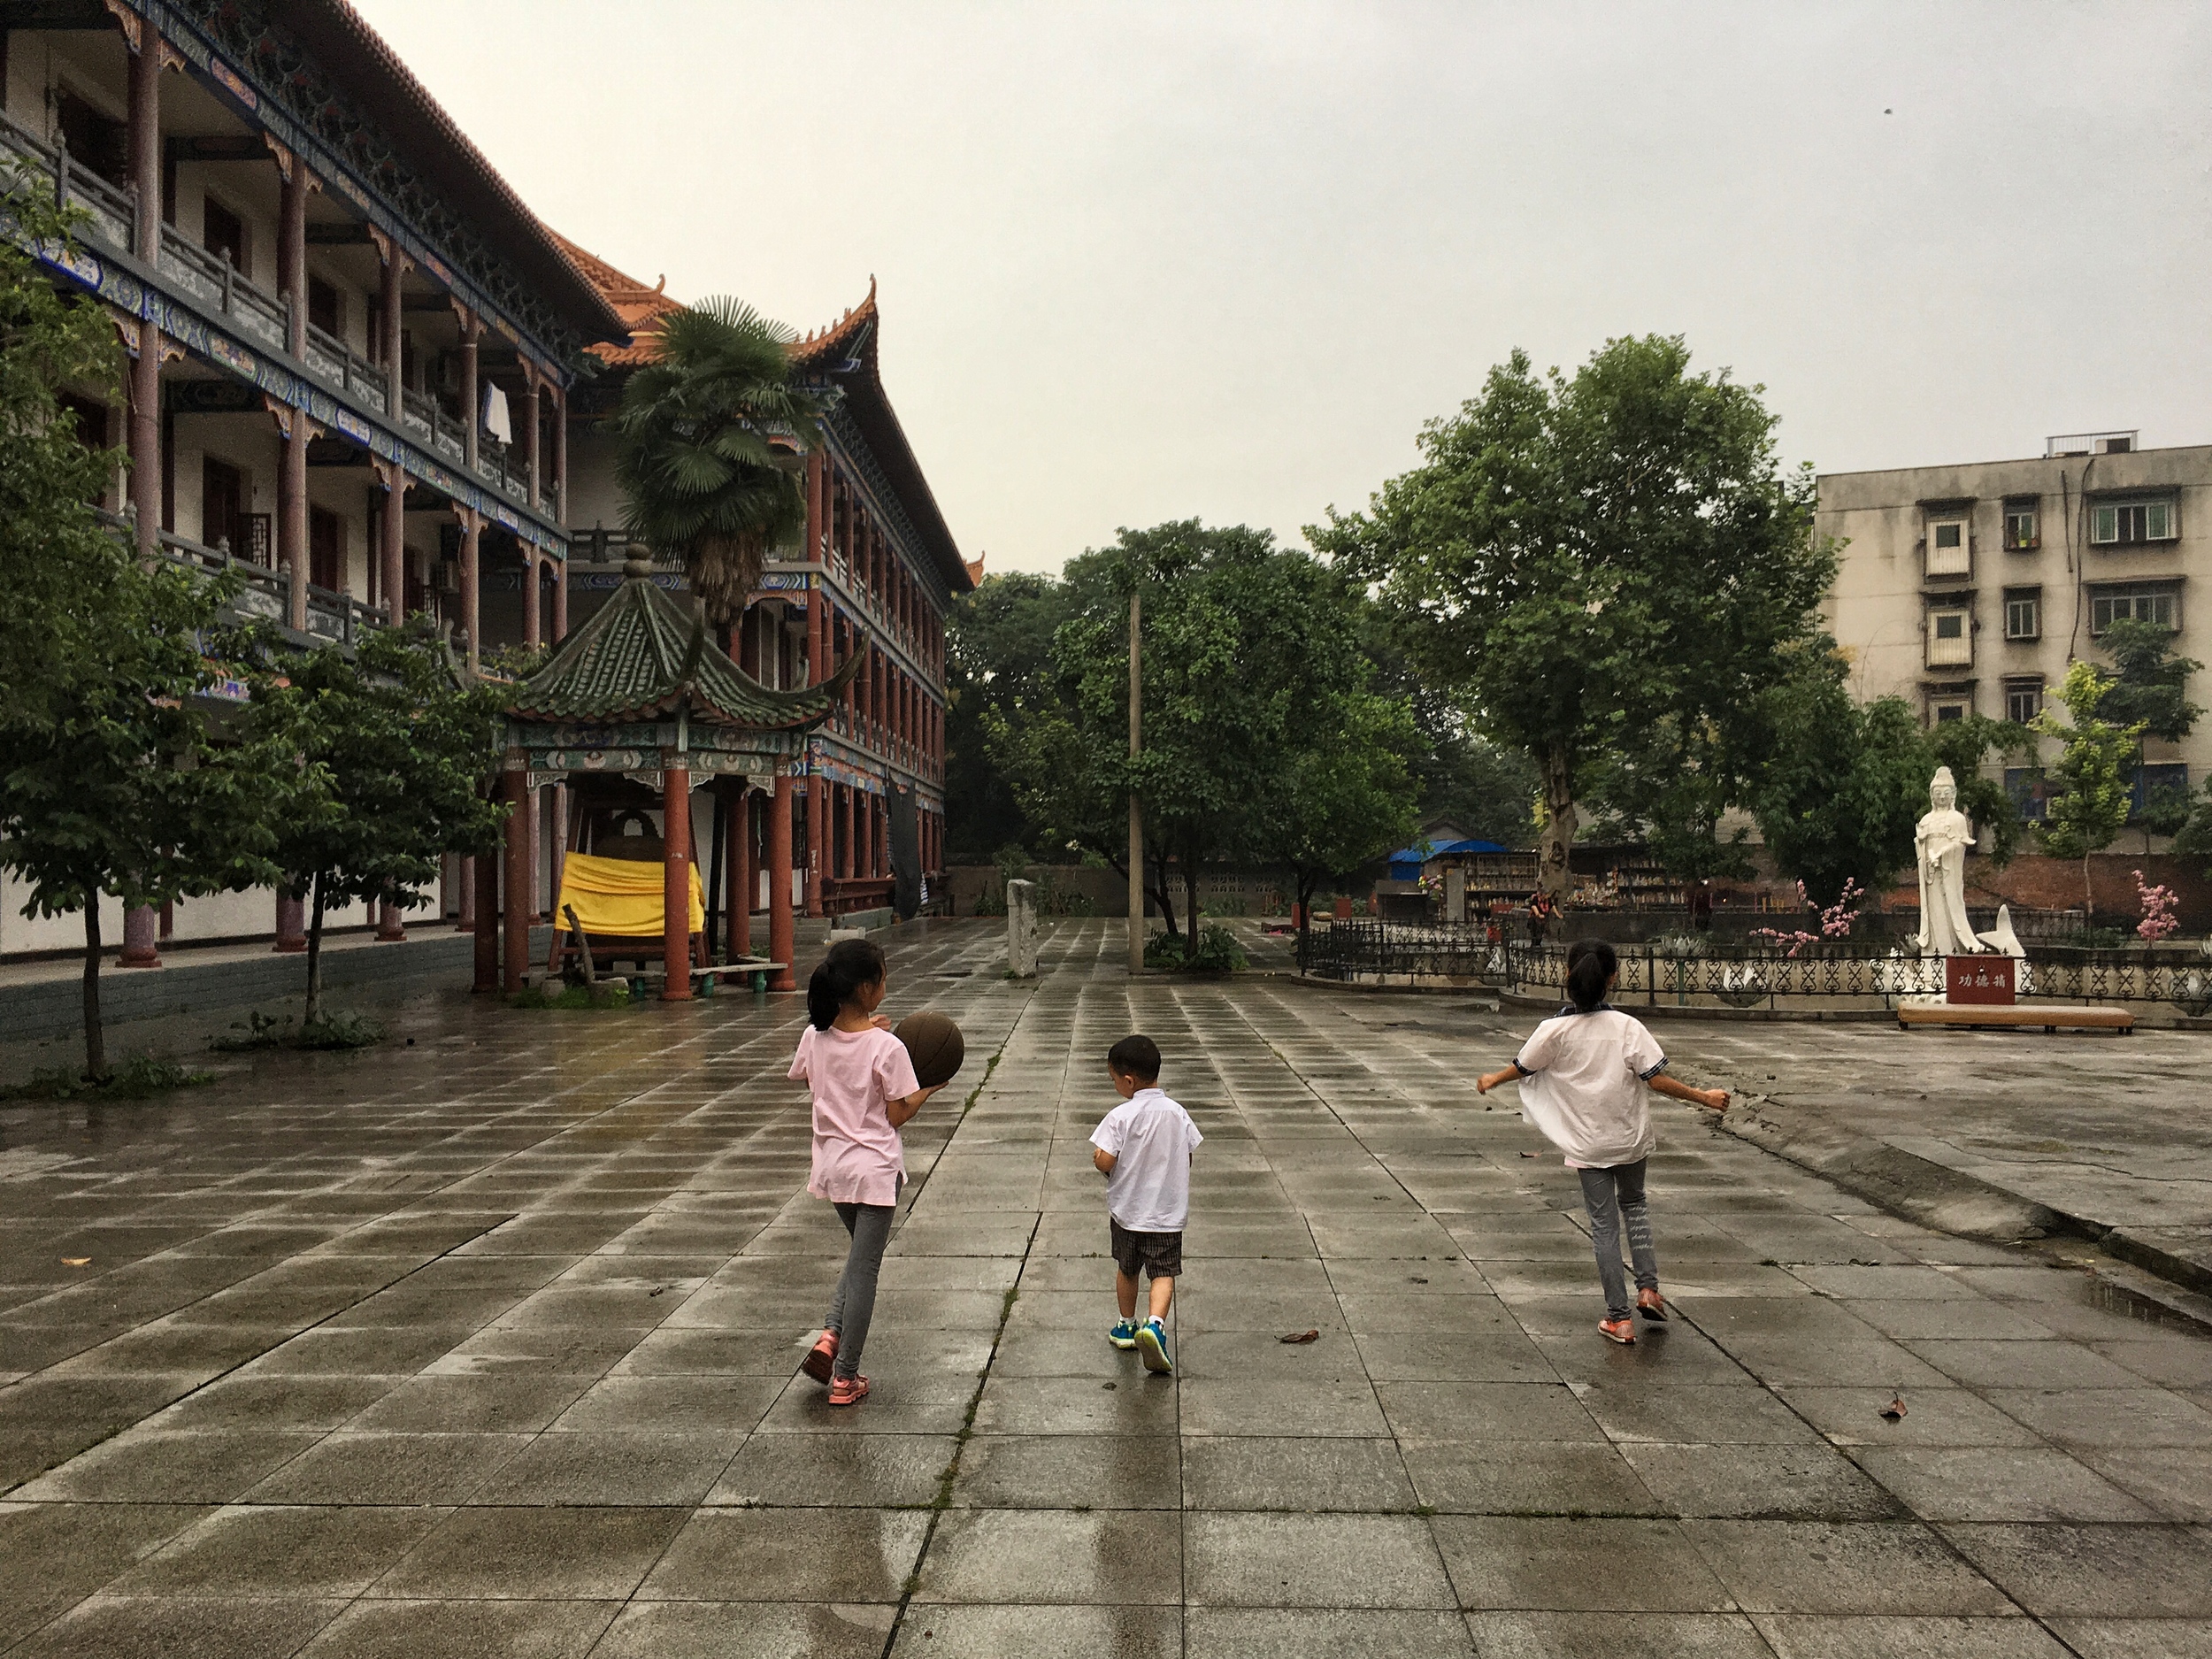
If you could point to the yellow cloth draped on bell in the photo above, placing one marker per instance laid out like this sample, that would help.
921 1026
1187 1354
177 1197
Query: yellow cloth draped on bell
622 897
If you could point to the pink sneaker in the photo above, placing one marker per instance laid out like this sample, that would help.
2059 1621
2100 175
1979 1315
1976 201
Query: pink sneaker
820 1357
847 1391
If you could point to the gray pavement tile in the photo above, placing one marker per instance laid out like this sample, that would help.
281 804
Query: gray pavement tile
805 1554
728 1630
1278 1405
106 1404
1125 1400
275 1402
200 1351
840 1470
2106 1416
2000 1483
472 1405
1311 1561
1543 1564
383 1468
1037 1631
533 1554
539 1629
173 1627
1103 1558
612 1467
1489 1353
1486 1411
1801 1637
252 1550
1307 1473
1842 1567
1088 1471
2177 1360
372 1352
1350 1276
538 1352
1616 1636
1221 1632
685 1404
184 1466
2062 1572
1933 1417
1977 1318
1229 1307
1797 1362
1804 1482
1040 1352
2018 1365
1263 1356
678 1353
1524 1478
2136 1637
2175 1480
52 1554
1715 1414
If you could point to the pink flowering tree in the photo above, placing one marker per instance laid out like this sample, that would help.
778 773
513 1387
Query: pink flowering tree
2159 919
1835 921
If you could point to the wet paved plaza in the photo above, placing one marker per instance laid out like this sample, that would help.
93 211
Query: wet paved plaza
486 1346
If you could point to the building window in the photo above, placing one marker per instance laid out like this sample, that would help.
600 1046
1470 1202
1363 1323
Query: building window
1950 638
2126 523
2021 532
2023 613
2156 780
1947 707
1949 548
326 549
223 233
326 307
2159 606
2023 700
2030 792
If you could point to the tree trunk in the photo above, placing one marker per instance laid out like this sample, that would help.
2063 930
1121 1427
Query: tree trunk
1559 824
2088 896
1306 883
1190 896
96 1053
314 956
1160 892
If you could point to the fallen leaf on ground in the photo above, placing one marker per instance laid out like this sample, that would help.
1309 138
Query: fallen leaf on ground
1894 1410
1528 1154
1300 1336
76 1260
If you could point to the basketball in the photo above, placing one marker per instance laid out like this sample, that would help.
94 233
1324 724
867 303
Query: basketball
935 1044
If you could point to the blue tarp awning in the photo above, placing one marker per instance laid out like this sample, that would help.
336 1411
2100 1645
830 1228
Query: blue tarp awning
1405 864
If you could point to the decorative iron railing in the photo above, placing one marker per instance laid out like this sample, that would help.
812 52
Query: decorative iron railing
113 208
360 379
1382 952
218 284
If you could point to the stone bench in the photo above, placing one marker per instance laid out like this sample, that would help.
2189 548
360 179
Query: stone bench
2015 1016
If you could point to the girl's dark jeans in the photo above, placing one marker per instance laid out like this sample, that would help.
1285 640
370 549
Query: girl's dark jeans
855 1302
1613 1196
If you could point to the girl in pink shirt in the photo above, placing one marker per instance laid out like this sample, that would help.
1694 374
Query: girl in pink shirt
864 1088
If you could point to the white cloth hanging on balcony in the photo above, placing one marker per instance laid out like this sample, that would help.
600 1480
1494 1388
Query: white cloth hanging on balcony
495 418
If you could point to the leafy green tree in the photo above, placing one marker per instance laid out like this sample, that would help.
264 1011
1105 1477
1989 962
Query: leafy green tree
998 659
1487 788
707 486
1609 566
392 748
1346 793
2095 772
121 788
2149 686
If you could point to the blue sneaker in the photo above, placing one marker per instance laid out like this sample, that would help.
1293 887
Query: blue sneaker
1152 1343
1123 1335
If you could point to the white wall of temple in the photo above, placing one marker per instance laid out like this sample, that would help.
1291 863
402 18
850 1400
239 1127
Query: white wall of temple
594 501
221 916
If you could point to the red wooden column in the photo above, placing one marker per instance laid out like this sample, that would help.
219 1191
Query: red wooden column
737 829
487 923
145 387
532 624
779 930
676 866
817 790
516 911
472 581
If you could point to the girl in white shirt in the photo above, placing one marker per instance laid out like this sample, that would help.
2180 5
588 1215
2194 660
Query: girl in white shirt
1583 1075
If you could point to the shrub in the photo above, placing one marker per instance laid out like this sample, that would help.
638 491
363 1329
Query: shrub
1216 951
339 1030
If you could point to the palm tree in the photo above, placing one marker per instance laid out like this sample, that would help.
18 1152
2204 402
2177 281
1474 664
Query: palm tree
708 486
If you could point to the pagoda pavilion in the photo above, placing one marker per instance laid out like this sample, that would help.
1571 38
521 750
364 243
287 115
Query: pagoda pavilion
634 708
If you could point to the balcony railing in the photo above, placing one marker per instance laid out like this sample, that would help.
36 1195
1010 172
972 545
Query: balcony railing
503 465
342 366
427 420
217 283
265 595
113 207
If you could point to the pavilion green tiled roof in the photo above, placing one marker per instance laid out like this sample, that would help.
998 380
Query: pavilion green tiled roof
644 655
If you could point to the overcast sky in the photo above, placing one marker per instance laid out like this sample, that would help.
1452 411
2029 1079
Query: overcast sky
1139 262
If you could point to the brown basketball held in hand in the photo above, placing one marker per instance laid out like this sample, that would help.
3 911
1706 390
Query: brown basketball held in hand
935 1046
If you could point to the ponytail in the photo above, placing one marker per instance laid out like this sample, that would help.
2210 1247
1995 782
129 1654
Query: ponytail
1591 965
851 963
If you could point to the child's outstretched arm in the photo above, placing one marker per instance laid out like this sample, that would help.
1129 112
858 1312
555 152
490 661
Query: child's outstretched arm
1712 1099
1503 1074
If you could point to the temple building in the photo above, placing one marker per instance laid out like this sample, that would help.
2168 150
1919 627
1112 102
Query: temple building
352 348
873 579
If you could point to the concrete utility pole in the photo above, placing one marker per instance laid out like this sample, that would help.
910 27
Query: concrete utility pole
1136 812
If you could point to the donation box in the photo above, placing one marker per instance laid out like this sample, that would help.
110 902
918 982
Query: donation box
1987 979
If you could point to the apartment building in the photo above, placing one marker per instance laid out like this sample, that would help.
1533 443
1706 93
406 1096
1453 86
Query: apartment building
1970 590
351 348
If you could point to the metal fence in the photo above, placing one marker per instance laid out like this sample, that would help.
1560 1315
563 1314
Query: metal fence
1392 953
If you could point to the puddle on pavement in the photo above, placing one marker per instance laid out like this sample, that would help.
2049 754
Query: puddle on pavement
2133 1304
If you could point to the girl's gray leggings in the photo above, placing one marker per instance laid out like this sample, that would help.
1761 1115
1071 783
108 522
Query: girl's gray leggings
1611 1195
855 1302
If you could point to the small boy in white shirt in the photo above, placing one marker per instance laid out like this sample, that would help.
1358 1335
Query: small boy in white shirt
1143 1148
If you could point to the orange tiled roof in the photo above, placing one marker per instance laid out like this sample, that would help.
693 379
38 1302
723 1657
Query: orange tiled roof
975 569
640 307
